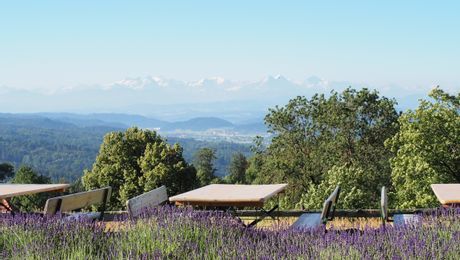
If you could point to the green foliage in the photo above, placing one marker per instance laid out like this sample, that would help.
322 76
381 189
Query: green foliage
427 150
136 161
26 175
6 171
163 164
55 149
358 189
62 150
223 151
311 137
204 164
76 187
256 162
237 169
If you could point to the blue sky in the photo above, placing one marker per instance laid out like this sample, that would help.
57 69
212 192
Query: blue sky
53 44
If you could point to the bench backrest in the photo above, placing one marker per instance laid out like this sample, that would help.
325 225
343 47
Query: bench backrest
384 205
334 197
325 211
136 205
329 205
79 200
313 220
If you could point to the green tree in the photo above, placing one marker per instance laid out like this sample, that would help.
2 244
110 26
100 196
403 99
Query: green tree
204 164
237 169
357 188
164 164
136 161
26 175
311 136
76 186
427 149
256 161
6 171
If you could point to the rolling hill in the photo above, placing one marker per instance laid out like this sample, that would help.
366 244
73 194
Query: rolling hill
63 149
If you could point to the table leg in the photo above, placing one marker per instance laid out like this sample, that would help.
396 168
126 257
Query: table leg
4 204
451 205
265 214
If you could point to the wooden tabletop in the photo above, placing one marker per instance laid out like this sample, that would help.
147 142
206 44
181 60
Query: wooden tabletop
447 193
13 190
236 195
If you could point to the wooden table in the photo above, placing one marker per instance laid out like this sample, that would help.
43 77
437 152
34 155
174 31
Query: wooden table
230 196
447 194
8 191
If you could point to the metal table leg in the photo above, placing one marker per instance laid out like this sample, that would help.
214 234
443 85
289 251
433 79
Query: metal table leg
4 204
266 214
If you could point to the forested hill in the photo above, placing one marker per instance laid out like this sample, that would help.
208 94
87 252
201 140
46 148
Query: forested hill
61 149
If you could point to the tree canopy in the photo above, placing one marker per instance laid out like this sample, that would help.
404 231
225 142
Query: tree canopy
204 164
137 161
427 150
26 175
6 171
328 140
237 169
61 150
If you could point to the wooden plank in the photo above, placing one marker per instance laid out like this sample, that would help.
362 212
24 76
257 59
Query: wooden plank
448 193
228 194
236 204
13 190
76 201
147 200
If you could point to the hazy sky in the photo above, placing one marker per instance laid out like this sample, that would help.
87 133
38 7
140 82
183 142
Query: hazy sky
51 44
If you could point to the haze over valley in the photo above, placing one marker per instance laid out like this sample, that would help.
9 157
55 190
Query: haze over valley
240 102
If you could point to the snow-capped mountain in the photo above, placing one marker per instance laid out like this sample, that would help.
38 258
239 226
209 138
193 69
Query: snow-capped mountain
173 99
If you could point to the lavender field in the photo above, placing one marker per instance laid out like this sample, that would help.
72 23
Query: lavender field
186 234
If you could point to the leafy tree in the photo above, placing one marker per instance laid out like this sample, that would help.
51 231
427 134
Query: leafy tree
427 150
312 136
256 161
26 175
204 164
136 161
164 164
357 188
76 187
6 171
237 169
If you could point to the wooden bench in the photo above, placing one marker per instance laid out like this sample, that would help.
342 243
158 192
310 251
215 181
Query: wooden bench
137 205
314 220
71 202
398 219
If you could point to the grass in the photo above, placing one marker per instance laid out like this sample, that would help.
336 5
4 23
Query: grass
337 223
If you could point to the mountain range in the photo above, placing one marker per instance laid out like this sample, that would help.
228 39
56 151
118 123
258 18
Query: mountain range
122 121
243 102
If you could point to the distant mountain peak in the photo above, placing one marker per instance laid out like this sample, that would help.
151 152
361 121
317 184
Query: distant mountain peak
147 94
140 83
313 80
210 82
280 77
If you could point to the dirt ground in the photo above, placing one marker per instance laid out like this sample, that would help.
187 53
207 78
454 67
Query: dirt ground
281 223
